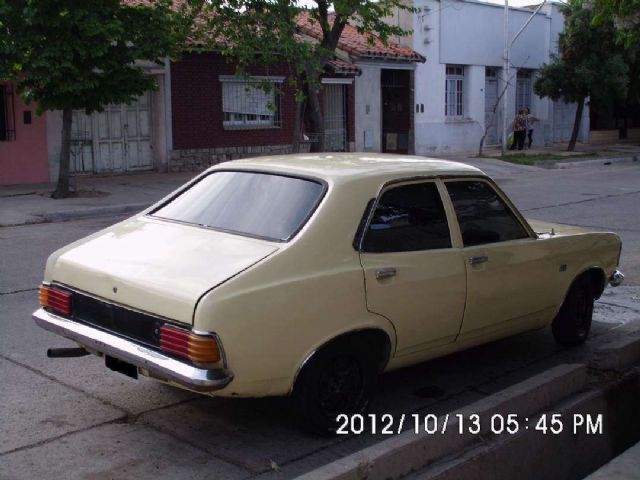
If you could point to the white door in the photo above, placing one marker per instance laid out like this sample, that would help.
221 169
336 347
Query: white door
490 99
81 143
120 138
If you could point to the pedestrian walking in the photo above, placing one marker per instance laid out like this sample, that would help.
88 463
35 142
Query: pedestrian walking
519 127
529 127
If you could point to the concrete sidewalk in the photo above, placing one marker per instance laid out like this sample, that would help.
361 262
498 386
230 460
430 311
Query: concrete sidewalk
130 193
98 195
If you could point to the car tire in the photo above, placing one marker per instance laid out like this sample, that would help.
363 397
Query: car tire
573 322
338 379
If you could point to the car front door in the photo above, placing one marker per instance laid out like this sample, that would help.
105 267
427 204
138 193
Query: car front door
509 274
413 275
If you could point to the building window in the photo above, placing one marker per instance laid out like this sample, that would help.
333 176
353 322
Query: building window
523 90
454 99
246 104
7 120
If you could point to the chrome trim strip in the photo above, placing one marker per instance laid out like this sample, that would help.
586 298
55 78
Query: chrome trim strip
616 278
155 363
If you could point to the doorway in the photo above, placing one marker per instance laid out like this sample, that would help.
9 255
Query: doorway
118 139
396 110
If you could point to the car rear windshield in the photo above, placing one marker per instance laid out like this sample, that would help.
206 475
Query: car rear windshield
263 205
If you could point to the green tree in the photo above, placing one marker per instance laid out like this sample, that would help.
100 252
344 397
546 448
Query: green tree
589 64
265 32
84 54
625 14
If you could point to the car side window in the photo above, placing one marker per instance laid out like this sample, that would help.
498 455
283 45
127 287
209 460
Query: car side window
408 218
483 216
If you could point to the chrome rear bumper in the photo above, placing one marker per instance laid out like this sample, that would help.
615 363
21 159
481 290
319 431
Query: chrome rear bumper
149 362
616 278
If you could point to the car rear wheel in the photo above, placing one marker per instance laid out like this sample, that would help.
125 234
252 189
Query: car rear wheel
573 322
337 380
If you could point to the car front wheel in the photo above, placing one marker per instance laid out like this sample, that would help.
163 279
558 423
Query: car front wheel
337 380
573 322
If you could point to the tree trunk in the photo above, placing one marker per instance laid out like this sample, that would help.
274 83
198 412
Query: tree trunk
62 188
576 126
297 128
314 111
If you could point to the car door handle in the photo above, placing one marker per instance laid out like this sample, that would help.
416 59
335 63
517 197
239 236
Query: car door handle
478 259
383 273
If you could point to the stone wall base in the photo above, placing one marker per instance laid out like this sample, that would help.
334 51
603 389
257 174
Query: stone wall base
200 159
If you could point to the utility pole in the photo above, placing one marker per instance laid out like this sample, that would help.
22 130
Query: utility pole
505 74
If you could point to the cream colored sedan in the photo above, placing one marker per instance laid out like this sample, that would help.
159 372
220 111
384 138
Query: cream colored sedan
307 275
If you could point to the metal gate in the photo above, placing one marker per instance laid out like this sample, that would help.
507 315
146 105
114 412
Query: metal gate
334 118
490 98
118 139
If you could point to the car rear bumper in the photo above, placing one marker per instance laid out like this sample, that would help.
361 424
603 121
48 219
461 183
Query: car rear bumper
616 278
149 362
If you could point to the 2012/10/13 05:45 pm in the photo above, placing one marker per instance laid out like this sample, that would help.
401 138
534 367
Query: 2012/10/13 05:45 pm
474 424
307 275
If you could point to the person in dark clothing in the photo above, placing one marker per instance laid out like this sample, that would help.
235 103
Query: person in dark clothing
529 127
519 126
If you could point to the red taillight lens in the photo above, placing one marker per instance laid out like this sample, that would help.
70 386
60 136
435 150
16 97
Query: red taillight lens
57 300
185 344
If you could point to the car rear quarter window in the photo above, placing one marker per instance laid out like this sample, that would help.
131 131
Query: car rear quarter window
264 205
483 216
408 218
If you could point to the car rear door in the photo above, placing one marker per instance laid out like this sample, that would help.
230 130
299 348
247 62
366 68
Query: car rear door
509 274
413 275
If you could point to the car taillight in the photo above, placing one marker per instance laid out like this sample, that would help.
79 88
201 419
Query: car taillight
57 300
189 345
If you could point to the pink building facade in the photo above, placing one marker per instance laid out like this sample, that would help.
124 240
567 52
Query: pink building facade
23 140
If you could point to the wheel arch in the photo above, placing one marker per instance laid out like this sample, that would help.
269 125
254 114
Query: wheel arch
375 334
597 277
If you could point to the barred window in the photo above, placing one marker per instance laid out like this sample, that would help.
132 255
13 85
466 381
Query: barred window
246 104
4 134
454 99
523 90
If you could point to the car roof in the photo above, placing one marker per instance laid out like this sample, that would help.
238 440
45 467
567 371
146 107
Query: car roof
342 166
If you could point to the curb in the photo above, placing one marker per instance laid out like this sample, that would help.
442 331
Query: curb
65 216
92 212
562 164
618 354
409 452
573 452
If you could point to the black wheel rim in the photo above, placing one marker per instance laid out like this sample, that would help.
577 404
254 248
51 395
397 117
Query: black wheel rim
341 386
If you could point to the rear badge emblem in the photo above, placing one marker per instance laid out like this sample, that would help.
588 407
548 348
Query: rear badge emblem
115 289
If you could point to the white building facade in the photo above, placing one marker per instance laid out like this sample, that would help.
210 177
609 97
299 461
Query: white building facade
458 86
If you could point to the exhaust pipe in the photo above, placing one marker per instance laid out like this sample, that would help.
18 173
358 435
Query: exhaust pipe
66 352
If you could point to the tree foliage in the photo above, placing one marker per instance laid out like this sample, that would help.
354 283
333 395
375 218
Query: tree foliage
625 15
265 32
589 64
85 54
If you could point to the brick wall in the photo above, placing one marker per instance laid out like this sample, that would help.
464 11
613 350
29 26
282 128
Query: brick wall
199 138
196 101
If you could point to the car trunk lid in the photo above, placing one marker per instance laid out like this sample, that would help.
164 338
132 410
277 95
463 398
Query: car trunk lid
157 266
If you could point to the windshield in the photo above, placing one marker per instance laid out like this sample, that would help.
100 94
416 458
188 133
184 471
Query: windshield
256 204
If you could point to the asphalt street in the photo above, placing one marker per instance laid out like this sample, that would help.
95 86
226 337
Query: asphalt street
73 418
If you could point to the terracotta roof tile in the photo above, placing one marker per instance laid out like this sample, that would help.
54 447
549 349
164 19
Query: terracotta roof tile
361 45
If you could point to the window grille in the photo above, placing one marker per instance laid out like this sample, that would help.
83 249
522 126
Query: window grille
246 104
7 120
523 90
454 99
